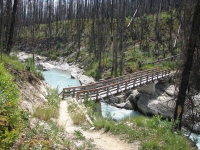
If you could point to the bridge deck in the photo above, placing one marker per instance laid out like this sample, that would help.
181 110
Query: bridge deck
113 86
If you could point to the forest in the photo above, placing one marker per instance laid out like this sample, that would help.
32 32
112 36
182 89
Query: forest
117 34
110 38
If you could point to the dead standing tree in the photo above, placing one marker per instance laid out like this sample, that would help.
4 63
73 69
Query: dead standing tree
187 66
12 27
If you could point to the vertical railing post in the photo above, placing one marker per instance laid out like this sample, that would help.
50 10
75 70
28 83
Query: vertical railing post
107 91
117 88
77 96
157 73
63 94
97 94
73 92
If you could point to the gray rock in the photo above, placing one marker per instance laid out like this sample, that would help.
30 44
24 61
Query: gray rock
46 66
129 92
125 105
133 98
129 106
121 105
196 127
120 99
111 100
170 90
148 88
155 105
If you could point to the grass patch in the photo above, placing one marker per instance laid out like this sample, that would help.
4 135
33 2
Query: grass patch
51 108
79 135
46 112
43 135
13 61
30 64
154 133
76 114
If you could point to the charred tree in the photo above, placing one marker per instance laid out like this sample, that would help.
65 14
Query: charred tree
187 66
12 27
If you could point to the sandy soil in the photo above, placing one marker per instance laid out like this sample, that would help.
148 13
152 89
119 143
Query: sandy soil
103 141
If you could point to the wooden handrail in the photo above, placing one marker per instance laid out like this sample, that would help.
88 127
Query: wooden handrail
98 84
116 78
125 81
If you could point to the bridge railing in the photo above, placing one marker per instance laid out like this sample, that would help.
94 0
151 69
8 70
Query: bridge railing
73 90
136 81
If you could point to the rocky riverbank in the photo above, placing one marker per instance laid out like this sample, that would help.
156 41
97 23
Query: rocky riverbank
150 99
156 99
44 64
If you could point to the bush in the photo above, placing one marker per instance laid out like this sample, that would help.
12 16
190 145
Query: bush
76 114
29 63
51 109
45 112
9 111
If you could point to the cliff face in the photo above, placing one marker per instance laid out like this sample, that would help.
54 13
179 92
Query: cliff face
32 94
33 90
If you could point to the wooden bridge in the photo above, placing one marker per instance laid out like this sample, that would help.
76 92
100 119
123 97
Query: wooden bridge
102 89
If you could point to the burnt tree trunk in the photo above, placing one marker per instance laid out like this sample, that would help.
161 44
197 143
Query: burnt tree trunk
179 109
12 27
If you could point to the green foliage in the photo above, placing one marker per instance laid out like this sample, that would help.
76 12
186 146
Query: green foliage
100 123
9 112
13 61
44 135
90 104
79 135
154 133
29 63
169 64
151 145
76 114
139 45
49 110
46 112
52 97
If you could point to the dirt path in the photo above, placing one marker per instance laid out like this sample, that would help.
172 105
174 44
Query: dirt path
103 141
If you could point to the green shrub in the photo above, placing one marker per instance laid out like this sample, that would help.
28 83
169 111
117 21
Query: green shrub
46 112
52 97
13 61
9 111
76 114
29 63
51 109
154 133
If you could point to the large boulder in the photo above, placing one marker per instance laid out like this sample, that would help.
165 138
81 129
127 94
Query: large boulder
133 99
46 66
160 103
170 90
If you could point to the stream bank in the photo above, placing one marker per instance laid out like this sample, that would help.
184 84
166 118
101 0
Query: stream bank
44 64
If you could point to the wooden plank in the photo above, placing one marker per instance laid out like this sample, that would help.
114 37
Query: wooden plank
121 83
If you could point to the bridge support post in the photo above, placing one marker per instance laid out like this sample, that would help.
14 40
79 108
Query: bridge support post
149 88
